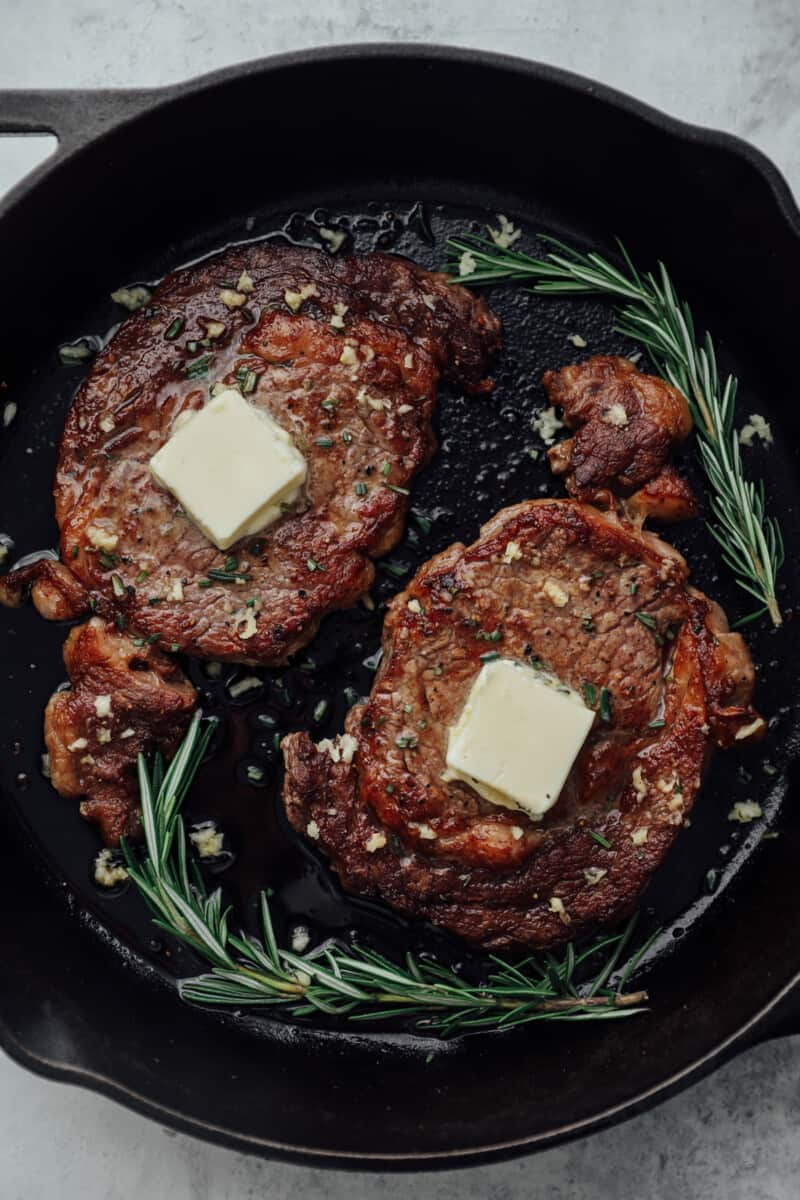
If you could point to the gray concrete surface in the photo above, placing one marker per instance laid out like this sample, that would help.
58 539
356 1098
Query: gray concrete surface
727 63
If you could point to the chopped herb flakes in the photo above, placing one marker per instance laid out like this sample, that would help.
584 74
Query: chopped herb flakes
606 713
495 636
650 623
174 329
198 367
598 837
396 569
247 380
227 576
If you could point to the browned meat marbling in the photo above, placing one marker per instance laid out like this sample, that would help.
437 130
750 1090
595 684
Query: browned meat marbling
597 602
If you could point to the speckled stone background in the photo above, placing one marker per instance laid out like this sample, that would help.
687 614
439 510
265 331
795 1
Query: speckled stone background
727 63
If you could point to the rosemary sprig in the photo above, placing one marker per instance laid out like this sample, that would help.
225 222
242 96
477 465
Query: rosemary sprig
649 310
335 979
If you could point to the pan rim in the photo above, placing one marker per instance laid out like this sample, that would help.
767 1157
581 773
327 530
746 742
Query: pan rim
147 100
100 1084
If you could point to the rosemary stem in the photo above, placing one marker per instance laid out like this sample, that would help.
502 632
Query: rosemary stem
558 1004
772 605
291 988
649 310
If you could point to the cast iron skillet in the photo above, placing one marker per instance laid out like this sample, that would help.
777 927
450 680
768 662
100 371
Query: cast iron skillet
398 146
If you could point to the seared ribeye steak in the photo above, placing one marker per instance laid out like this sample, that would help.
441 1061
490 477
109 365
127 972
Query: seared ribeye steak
345 354
607 609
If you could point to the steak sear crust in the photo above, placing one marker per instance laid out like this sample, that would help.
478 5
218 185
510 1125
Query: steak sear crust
124 700
596 602
346 355
626 425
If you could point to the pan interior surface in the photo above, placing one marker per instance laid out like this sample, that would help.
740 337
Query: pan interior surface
286 154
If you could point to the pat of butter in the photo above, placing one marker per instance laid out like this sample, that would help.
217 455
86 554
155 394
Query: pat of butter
231 467
517 737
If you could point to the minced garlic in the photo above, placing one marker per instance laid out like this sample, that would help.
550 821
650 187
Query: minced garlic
295 299
108 872
504 237
348 745
231 298
745 811
639 785
207 840
756 427
131 298
546 424
555 593
615 415
101 539
333 237
467 264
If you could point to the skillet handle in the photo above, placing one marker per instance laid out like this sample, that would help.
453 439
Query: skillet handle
74 116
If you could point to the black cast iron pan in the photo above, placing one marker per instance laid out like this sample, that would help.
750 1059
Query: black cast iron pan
398 147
